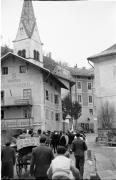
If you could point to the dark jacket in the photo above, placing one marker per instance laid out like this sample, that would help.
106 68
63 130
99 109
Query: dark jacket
62 141
78 147
40 161
8 161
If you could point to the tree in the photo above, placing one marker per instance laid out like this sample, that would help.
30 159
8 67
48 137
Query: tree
5 49
71 108
106 115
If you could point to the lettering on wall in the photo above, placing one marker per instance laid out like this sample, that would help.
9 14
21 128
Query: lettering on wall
16 83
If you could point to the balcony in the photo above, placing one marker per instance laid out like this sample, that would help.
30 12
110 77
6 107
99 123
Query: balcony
16 123
16 101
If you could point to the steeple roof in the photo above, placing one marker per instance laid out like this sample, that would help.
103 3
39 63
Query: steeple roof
28 18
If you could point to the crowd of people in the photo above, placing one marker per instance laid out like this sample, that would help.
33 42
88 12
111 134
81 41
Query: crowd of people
51 159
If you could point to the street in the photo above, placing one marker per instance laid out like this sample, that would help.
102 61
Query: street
105 160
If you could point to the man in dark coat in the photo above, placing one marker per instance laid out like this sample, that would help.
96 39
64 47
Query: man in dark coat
79 147
8 161
40 160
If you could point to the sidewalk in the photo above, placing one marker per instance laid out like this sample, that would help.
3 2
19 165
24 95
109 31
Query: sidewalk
97 167
100 163
105 169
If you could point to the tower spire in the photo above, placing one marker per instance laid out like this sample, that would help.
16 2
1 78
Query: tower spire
27 39
28 18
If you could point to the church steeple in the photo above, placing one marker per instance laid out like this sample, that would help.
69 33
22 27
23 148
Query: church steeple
28 18
27 42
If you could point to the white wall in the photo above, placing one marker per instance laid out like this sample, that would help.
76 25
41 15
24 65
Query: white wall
105 82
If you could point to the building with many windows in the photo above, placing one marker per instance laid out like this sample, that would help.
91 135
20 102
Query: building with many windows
83 93
30 93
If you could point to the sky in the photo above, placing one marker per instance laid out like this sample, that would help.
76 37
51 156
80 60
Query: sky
71 30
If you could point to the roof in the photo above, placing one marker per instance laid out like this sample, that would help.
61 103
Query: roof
49 63
110 51
81 71
31 61
37 64
28 17
53 67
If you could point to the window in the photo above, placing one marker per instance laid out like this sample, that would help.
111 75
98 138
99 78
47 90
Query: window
56 99
52 115
26 93
22 53
4 70
79 99
2 95
34 52
19 53
90 99
36 55
47 114
47 95
89 86
91 111
25 113
82 125
2 114
23 69
79 85
57 116
51 97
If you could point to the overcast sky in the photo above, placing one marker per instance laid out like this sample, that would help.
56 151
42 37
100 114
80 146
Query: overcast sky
70 30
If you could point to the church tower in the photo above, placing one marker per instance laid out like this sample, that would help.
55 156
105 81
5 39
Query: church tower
27 42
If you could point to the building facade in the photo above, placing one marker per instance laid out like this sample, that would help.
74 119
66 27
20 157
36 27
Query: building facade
30 93
105 83
83 93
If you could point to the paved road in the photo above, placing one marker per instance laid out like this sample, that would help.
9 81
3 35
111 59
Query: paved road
105 159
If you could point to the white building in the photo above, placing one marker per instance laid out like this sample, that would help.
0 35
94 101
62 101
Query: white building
30 93
105 81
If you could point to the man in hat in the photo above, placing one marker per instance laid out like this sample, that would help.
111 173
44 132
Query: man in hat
8 161
79 147
40 160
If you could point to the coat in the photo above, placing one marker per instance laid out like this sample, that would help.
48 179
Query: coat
79 147
8 161
40 160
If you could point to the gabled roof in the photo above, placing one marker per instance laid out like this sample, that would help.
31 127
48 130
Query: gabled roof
110 51
35 63
31 61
